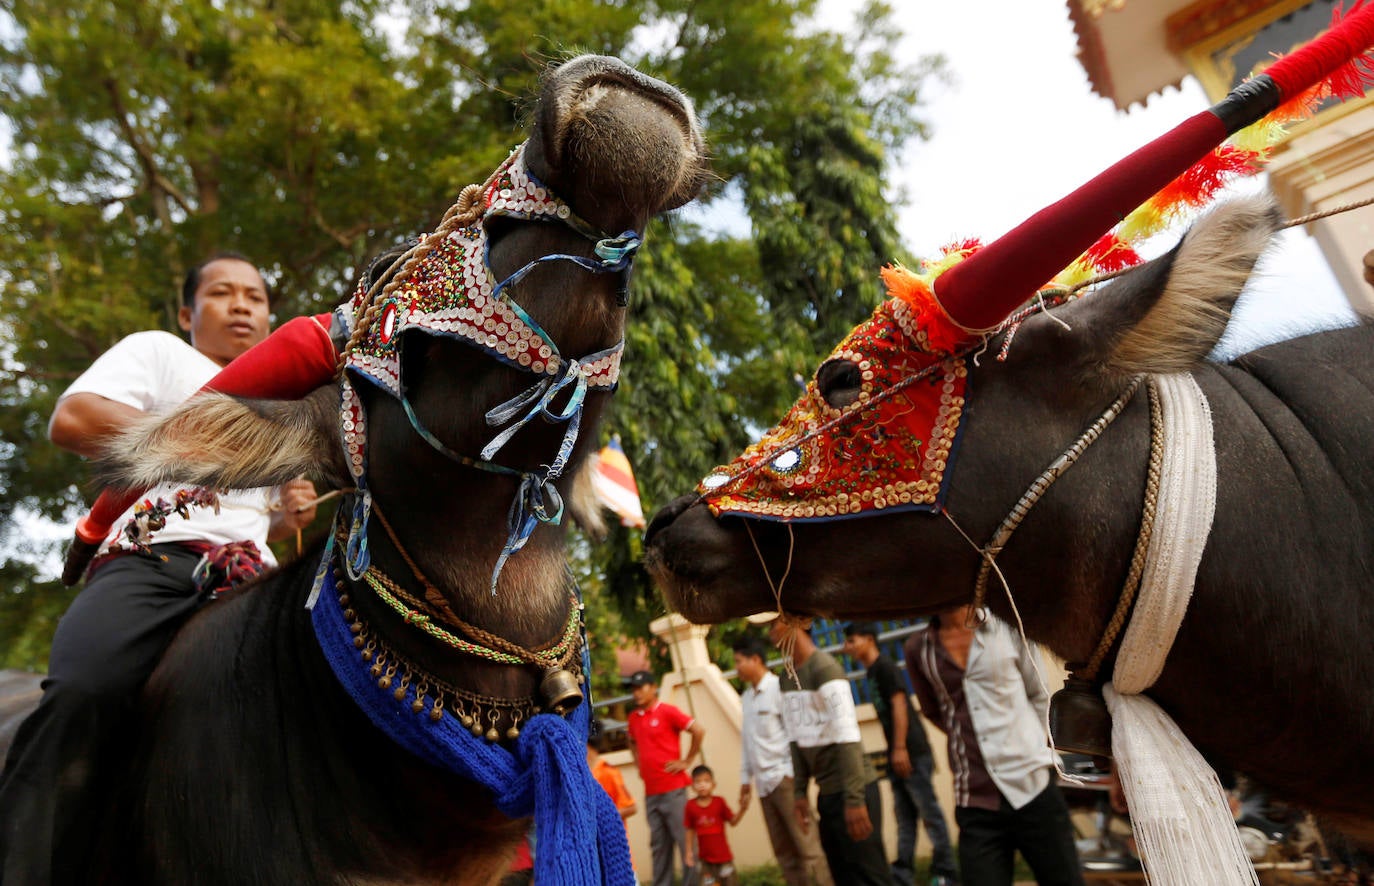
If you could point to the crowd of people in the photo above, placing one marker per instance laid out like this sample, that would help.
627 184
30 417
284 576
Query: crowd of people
974 681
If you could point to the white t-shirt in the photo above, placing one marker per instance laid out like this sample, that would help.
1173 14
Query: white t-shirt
765 754
153 372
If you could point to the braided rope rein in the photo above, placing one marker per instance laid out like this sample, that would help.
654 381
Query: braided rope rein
1041 485
1142 545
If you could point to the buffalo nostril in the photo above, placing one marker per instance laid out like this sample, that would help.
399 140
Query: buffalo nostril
667 514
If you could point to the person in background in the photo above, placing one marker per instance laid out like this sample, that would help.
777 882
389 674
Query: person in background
705 818
978 684
135 598
655 730
521 871
766 766
909 761
818 709
607 775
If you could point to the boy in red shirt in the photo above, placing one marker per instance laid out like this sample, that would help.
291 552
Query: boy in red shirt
705 818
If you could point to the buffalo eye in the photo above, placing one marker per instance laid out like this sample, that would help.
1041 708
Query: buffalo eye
839 382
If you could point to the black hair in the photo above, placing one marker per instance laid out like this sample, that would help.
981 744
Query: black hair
703 769
751 646
192 281
596 735
861 627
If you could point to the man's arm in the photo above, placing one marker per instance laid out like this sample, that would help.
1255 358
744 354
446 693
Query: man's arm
1035 687
83 422
296 511
801 788
698 732
920 683
634 751
897 754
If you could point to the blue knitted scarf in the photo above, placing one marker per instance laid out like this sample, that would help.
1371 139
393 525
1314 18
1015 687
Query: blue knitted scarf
581 838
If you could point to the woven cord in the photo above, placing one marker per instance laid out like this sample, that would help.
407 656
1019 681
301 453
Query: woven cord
1041 485
562 646
1142 544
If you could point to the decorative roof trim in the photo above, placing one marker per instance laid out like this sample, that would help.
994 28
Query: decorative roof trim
1091 53
1207 18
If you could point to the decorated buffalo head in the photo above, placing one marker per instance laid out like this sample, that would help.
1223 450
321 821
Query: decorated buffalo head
873 495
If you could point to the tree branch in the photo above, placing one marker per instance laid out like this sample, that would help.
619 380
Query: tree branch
145 154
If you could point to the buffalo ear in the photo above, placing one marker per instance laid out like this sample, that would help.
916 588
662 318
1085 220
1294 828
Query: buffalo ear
583 505
1167 315
224 442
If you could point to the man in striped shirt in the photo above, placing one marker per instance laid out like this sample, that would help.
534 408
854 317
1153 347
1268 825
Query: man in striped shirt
978 684
818 711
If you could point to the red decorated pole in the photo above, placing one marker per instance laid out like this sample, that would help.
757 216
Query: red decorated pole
983 290
290 363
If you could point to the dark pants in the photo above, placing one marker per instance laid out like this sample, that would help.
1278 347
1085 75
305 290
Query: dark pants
106 645
863 863
988 842
668 836
913 801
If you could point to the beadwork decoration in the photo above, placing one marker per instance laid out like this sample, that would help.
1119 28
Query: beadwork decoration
450 290
889 450
454 293
486 717
151 516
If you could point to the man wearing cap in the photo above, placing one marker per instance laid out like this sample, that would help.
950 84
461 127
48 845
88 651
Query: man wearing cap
655 731
818 708
909 760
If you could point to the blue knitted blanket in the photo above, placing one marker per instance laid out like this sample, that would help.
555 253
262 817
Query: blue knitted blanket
580 835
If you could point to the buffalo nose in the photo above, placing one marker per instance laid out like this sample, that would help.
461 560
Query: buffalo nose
667 514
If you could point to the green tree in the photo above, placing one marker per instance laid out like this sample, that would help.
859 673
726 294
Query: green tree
310 134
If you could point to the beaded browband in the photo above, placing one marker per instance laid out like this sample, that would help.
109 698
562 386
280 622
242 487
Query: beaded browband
445 286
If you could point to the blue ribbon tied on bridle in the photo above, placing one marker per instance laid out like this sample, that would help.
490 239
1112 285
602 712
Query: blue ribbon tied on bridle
537 500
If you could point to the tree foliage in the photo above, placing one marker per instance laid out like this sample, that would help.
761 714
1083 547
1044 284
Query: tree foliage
309 134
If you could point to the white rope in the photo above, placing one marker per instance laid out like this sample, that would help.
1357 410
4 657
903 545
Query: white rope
1181 820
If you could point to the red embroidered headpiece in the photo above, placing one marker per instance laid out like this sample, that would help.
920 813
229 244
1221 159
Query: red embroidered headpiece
889 450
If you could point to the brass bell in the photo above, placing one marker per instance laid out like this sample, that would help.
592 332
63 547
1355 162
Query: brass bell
560 691
1079 720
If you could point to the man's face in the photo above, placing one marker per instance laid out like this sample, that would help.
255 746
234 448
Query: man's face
644 694
230 313
856 646
779 630
748 667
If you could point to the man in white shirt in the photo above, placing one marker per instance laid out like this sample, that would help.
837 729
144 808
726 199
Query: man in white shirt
766 763
977 683
134 600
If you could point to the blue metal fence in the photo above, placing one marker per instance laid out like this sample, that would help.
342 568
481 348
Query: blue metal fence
829 636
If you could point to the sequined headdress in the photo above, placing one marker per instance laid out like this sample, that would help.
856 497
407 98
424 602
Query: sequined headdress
447 288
